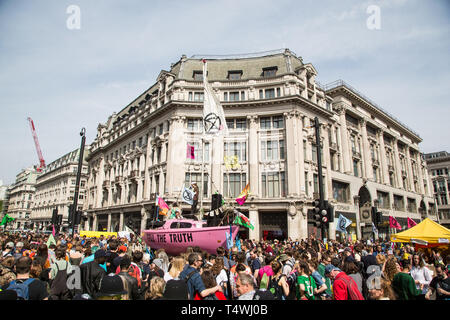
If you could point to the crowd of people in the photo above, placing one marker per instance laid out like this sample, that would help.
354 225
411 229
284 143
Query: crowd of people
112 268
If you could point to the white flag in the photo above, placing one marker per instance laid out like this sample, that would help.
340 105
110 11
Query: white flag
213 115
343 223
187 195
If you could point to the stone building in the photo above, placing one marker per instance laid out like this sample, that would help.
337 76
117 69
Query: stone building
270 101
21 197
55 188
438 168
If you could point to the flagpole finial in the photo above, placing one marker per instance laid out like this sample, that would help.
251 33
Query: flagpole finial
204 60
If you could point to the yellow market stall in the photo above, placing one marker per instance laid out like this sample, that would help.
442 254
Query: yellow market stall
426 233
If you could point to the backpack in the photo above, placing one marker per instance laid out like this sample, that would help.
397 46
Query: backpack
58 287
263 295
276 289
291 280
133 271
21 288
352 289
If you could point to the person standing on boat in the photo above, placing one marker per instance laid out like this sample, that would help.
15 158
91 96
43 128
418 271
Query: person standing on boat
195 202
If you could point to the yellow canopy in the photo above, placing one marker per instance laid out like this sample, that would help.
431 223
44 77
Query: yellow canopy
425 232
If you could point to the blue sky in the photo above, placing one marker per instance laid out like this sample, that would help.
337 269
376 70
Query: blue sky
68 79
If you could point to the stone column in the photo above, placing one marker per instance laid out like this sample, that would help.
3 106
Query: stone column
294 219
95 223
100 179
254 218
148 163
121 215
339 146
253 156
384 174
108 228
176 155
301 156
344 146
144 216
398 166
358 223
292 157
420 175
366 154
409 170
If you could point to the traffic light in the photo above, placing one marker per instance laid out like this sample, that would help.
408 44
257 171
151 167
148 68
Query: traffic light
316 213
70 216
330 213
376 216
55 216
78 217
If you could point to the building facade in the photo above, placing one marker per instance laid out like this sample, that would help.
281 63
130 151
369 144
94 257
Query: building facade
270 101
55 189
439 168
21 197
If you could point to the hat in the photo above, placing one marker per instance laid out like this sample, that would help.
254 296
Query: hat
10 245
100 253
111 285
329 268
158 262
284 257
19 244
123 249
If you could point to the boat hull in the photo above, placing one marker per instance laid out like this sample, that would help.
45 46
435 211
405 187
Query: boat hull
176 241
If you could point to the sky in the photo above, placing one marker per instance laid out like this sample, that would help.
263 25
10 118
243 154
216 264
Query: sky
70 69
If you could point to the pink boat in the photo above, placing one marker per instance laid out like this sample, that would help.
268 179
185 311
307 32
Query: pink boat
176 235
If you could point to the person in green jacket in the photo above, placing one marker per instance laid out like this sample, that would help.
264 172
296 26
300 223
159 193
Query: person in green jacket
404 285
326 259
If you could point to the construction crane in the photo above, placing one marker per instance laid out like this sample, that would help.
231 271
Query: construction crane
38 148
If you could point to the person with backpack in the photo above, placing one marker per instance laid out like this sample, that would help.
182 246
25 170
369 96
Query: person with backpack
92 273
278 285
193 279
128 276
59 272
344 287
27 288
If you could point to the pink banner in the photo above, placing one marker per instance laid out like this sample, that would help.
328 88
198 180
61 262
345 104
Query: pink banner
394 223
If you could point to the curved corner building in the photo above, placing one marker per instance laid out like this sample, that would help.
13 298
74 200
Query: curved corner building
270 100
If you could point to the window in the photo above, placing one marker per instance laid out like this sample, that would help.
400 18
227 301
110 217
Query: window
275 122
234 75
356 168
383 200
269 93
375 174
412 207
198 96
273 184
180 225
264 122
233 184
272 150
399 204
198 75
278 122
198 151
238 149
191 177
341 191
234 96
269 72
194 125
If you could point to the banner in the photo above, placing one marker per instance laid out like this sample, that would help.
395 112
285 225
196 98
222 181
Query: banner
190 152
393 223
97 234
242 220
188 195
213 115
162 207
343 223
231 162
411 223
6 219
244 194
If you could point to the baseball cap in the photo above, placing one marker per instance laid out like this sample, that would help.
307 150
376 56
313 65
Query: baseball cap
329 268
10 245
100 253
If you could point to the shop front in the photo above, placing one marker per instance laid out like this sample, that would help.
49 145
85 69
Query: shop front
273 225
